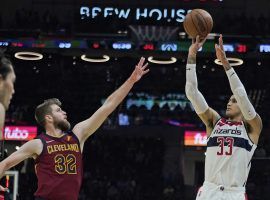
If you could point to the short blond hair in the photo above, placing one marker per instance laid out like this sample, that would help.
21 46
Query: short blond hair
44 109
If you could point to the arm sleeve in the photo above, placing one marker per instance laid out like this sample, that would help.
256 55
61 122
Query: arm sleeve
192 92
241 96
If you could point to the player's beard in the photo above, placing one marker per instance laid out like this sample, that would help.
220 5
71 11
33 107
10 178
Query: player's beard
63 125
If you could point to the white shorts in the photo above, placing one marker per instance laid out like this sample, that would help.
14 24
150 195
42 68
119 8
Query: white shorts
210 191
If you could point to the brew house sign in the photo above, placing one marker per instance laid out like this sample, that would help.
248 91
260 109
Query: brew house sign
134 14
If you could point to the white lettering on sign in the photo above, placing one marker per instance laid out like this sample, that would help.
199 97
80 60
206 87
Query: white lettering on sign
157 14
63 45
200 139
4 44
121 45
228 47
265 48
16 133
169 47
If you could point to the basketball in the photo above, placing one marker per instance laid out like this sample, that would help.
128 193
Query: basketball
198 22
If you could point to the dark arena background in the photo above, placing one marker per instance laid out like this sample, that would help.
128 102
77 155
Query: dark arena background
152 146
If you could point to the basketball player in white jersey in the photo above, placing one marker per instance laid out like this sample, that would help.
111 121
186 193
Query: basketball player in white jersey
231 140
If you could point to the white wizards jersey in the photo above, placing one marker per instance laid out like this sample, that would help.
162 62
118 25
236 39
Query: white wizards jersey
228 155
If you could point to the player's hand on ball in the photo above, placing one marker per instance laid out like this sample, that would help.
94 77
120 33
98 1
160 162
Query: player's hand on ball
197 43
139 71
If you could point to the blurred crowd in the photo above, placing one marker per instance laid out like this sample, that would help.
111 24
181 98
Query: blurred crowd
123 168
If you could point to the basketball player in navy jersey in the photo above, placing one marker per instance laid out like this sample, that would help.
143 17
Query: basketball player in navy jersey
7 79
58 152
232 140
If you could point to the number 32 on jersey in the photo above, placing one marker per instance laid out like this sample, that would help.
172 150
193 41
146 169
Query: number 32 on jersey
65 164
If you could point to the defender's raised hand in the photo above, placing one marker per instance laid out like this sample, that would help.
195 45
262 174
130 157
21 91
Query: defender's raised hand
139 71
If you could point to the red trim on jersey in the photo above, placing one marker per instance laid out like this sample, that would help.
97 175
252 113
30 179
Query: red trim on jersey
224 121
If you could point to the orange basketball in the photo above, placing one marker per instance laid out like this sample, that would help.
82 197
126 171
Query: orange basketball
198 22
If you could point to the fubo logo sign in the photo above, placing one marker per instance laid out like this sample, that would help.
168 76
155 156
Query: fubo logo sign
23 133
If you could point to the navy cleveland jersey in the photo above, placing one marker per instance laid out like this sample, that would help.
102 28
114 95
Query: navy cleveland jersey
59 168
